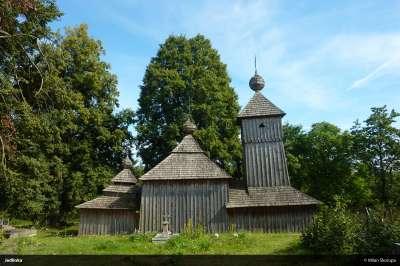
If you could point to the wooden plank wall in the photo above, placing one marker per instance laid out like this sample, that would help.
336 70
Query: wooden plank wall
266 164
272 219
103 221
264 154
202 201
252 132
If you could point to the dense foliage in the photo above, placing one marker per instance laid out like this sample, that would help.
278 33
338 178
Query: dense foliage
61 139
187 78
320 161
339 230
377 154
335 231
378 233
361 168
361 165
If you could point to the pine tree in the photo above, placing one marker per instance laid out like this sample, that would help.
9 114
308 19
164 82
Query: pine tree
187 78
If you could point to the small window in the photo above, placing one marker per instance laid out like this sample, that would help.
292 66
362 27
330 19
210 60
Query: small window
261 125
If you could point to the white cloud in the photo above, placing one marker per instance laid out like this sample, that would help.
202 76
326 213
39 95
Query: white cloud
377 55
238 30
314 80
377 72
365 49
307 75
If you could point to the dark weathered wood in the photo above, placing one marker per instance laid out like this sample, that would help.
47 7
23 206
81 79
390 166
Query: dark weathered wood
99 222
265 164
202 201
272 219
263 151
115 211
252 132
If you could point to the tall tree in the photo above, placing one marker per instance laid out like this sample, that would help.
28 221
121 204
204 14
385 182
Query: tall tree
377 150
320 163
23 25
69 140
295 141
187 78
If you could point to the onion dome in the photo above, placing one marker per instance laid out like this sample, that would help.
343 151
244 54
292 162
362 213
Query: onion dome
189 127
256 83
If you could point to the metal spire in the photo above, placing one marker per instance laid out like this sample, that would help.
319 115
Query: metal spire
255 64
256 83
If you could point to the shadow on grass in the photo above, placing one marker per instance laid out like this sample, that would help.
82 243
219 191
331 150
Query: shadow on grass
293 249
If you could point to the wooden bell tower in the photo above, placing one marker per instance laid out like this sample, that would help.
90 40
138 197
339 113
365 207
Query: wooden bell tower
262 140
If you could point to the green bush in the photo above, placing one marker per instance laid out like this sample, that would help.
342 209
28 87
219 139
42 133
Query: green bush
377 235
334 231
337 230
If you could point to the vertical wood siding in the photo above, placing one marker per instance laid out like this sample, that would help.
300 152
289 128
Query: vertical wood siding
252 132
202 201
272 219
103 221
264 154
265 164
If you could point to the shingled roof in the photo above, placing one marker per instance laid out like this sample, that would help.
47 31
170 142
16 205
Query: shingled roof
260 106
186 161
125 176
268 196
121 194
121 189
188 145
107 202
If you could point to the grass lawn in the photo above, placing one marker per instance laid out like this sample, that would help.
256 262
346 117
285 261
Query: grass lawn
53 241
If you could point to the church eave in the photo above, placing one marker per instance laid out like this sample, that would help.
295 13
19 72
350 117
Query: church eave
161 178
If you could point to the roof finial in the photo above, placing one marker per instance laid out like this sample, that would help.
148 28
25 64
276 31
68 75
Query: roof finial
127 163
255 64
189 127
256 83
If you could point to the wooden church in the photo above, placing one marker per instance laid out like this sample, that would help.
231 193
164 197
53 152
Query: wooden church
266 202
116 211
187 187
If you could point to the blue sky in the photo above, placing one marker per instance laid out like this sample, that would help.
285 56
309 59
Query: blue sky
322 60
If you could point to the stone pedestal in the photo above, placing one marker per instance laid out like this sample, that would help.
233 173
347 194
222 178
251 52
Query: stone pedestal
165 235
